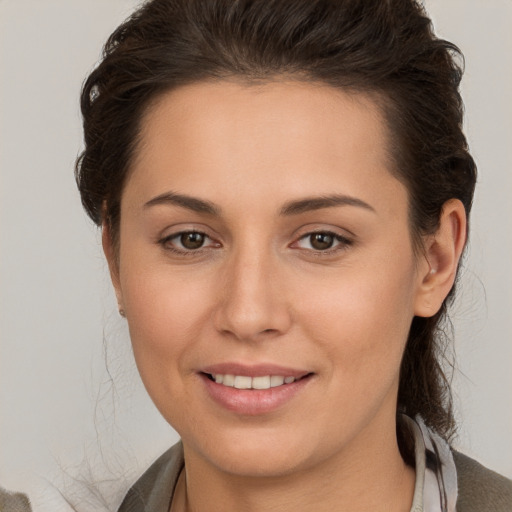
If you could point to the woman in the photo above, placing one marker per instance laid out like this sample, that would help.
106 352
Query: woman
283 190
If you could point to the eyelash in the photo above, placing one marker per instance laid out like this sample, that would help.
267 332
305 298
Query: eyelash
342 243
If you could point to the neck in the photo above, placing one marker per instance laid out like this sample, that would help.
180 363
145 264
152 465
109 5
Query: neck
368 475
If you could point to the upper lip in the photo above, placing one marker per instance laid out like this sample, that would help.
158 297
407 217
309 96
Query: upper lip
254 370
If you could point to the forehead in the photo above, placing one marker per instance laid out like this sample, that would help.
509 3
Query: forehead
306 109
289 135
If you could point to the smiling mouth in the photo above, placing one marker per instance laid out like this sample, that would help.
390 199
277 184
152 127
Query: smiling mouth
247 382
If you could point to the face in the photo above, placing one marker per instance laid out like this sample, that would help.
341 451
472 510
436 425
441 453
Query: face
267 273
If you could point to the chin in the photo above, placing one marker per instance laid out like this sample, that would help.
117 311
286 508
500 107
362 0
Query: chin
254 454
259 464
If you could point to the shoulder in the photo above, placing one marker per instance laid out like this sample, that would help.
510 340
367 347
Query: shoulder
481 489
153 491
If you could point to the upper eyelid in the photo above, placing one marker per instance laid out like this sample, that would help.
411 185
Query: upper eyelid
175 230
337 236
174 234
326 231
305 231
184 231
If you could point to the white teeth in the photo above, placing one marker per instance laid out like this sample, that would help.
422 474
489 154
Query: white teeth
228 380
261 382
246 382
276 380
242 382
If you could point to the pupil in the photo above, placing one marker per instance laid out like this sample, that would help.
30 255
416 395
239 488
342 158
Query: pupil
192 240
322 241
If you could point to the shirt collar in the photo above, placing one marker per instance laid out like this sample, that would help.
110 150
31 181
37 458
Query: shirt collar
436 477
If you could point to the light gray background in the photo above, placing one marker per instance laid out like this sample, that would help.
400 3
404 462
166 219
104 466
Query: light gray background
61 418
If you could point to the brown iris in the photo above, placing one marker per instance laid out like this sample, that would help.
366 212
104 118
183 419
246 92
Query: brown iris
192 240
321 241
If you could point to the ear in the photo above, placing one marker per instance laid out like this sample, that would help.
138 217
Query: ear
113 262
442 253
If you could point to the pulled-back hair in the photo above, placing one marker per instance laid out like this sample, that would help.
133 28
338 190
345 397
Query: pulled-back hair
383 48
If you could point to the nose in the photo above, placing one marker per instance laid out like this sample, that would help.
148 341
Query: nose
252 304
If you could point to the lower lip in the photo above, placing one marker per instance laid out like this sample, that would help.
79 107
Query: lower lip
254 402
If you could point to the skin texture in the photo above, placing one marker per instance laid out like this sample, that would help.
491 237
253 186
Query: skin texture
257 292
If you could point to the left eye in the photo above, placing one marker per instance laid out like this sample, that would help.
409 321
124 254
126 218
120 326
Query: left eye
321 241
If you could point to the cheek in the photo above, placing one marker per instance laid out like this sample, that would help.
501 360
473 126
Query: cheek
166 316
363 318
166 319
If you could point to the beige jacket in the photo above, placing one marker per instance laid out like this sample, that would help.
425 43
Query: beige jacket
479 488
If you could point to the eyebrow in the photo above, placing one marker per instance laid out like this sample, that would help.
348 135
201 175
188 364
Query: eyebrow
290 208
188 202
318 203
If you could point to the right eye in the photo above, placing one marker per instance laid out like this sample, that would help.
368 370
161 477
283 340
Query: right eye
188 241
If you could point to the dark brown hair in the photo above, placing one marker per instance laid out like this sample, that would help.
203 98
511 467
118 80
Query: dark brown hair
384 48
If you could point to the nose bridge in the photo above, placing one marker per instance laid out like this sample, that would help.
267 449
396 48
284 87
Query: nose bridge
251 303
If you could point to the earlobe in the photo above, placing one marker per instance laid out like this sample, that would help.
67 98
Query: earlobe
113 263
442 254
